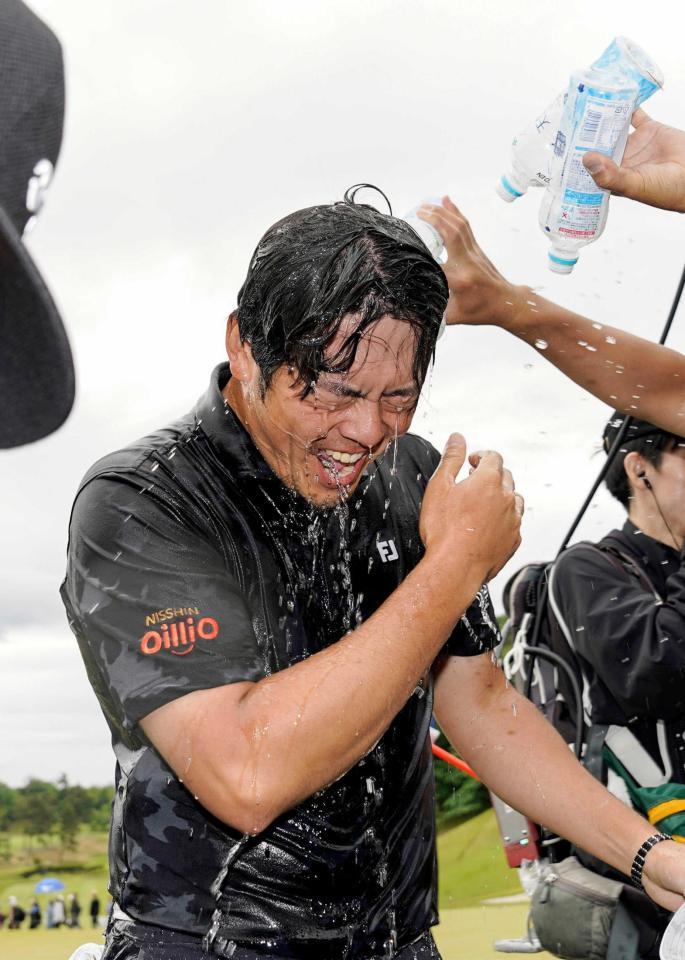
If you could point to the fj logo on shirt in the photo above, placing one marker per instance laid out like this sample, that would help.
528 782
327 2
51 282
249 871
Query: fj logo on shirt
180 636
387 550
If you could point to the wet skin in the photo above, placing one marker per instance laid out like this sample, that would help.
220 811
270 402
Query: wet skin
321 444
658 510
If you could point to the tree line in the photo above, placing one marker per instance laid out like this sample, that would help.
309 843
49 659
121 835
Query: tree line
42 809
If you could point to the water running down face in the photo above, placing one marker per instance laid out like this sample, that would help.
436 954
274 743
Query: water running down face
321 443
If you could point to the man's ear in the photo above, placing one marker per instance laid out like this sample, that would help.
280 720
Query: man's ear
633 465
238 351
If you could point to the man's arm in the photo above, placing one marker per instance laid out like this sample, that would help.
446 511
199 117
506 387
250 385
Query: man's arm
628 373
522 758
250 751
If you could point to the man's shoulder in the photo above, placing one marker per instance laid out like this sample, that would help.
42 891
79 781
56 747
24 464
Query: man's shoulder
414 451
590 560
133 458
132 476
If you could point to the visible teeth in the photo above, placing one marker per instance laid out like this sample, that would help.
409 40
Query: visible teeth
342 457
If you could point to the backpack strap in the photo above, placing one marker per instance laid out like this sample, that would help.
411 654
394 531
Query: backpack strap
630 565
619 739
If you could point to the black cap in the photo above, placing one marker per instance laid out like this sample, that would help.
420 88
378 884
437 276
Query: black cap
36 370
636 430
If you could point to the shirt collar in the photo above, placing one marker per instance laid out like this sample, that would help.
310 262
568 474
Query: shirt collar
233 443
660 556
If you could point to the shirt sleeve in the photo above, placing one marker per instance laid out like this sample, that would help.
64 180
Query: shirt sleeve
156 608
634 643
477 631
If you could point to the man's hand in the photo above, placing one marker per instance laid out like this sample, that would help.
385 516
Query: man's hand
653 167
478 291
480 515
664 874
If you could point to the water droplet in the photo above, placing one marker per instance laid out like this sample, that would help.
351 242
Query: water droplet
610 339
541 344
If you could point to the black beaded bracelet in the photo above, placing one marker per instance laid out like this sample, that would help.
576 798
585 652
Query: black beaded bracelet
639 861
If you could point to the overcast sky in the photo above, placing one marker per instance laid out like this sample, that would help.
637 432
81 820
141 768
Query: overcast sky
190 129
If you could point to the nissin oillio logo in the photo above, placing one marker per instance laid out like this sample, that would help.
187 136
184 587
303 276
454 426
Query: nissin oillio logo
180 636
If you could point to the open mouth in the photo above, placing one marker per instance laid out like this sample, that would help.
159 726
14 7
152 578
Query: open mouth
340 467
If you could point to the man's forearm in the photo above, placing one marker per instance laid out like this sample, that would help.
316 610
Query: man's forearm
520 756
251 751
628 373
321 716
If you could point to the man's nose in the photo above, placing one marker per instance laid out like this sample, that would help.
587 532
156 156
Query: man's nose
365 424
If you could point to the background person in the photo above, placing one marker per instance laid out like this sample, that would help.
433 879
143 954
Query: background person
35 915
94 909
17 914
59 912
74 911
617 616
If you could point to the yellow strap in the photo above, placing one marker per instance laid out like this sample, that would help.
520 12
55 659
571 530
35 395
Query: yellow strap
665 809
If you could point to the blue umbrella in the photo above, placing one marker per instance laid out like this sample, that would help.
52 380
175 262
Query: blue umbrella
48 885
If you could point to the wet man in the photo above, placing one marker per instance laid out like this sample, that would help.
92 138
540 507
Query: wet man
270 596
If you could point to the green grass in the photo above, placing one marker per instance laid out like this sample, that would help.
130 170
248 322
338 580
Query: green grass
471 864
472 867
462 935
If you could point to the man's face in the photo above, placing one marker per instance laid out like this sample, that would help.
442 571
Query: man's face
321 444
669 489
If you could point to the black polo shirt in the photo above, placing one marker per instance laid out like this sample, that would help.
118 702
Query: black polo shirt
191 566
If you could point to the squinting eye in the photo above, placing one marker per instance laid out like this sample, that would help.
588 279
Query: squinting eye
327 400
398 406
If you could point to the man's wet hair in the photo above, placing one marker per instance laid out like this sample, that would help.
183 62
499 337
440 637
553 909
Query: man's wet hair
320 264
642 437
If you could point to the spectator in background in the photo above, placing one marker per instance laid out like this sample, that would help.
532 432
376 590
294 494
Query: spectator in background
94 909
50 913
74 911
59 913
16 915
35 915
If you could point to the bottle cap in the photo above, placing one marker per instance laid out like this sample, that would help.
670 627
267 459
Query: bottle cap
506 190
561 261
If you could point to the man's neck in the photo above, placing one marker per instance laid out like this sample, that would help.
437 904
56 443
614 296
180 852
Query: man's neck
648 519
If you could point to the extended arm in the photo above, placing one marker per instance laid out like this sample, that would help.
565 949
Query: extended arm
250 751
520 756
626 372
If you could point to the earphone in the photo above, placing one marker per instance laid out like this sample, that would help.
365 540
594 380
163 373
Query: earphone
643 476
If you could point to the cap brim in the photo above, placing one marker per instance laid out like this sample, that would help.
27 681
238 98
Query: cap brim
36 368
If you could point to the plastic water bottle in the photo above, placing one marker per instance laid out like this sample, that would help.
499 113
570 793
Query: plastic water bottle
532 149
596 116
427 231
430 237
531 154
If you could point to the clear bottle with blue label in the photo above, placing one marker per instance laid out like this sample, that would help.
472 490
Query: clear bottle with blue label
532 149
596 116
